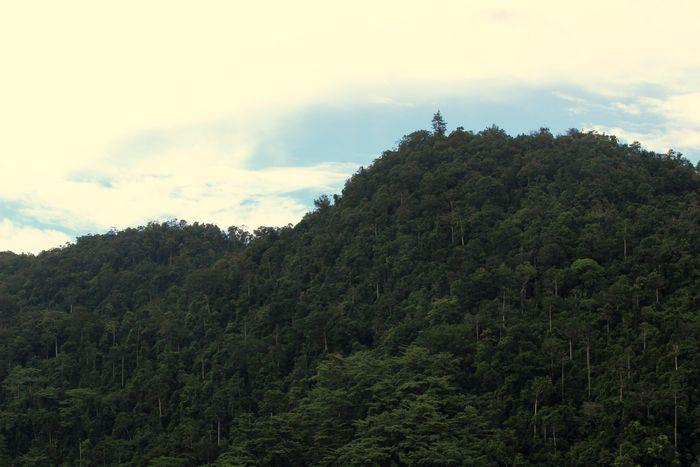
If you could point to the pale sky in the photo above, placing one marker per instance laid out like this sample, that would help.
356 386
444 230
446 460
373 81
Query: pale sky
240 113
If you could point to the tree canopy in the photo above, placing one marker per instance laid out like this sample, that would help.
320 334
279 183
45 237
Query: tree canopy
468 299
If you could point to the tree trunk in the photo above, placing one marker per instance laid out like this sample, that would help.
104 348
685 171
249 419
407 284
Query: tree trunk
503 309
452 222
675 420
588 366
675 356
620 386
629 367
534 420
562 379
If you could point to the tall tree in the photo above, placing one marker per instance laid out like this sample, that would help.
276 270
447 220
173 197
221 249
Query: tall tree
439 125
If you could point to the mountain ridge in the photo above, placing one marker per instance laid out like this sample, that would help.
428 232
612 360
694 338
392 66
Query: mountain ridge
468 298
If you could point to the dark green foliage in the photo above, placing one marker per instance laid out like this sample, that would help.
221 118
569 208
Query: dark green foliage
439 125
473 299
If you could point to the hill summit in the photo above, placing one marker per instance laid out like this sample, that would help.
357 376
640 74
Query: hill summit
468 299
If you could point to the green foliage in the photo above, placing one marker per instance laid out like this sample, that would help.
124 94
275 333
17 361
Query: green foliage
469 299
439 125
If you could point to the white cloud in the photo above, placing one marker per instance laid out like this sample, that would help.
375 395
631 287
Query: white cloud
680 127
632 109
24 239
385 100
570 97
660 140
190 183
680 108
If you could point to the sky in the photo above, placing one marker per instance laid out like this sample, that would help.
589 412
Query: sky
114 114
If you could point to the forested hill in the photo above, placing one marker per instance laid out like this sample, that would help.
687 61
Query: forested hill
469 299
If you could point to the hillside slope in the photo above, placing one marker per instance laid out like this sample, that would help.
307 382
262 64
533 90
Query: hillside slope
467 299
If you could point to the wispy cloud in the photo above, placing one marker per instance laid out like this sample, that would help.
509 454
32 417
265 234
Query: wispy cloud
660 140
385 100
27 239
632 109
676 120
195 183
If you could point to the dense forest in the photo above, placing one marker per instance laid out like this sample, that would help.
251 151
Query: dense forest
468 299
